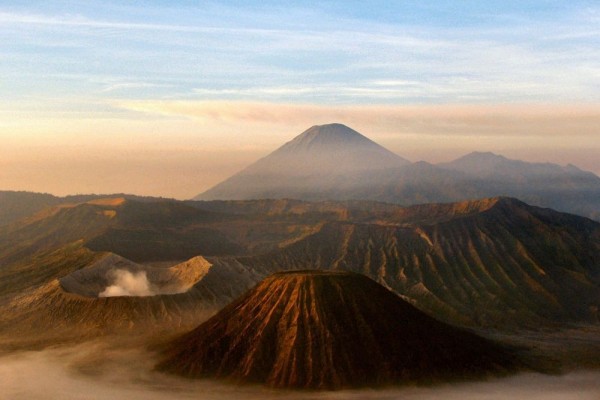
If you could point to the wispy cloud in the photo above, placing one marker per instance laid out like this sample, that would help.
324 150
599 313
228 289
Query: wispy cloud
133 85
431 81
82 21
309 56
498 119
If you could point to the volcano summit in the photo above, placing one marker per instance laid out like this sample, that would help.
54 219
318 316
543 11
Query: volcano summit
329 330
311 162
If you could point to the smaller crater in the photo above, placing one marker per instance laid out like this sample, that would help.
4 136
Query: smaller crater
113 276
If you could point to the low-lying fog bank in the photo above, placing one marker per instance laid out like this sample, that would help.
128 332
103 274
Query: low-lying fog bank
98 371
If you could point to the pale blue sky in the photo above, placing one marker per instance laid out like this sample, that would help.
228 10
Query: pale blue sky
347 52
158 82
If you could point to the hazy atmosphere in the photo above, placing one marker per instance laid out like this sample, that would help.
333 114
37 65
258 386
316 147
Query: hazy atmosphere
284 199
97 372
169 98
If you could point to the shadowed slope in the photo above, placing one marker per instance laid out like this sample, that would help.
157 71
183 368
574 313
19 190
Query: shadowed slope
16 205
329 330
141 231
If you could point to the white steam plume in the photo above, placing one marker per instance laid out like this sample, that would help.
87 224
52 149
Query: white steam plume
126 283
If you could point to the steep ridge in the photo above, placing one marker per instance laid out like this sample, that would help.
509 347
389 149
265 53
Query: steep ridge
349 211
329 330
141 231
163 231
16 205
504 264
57 227
41 267
170 230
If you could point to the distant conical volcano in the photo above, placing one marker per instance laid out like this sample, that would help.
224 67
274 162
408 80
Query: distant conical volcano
334 162
337 140
329 330
308 163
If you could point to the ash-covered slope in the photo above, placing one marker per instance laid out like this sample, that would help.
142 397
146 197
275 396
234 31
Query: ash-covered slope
329 330
78 306
141 231
307 164
494 263
490 263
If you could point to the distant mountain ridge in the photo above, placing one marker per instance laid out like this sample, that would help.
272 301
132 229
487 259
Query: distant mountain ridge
490 165
334 162
15 205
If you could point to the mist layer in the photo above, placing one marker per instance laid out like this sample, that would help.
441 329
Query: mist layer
100 372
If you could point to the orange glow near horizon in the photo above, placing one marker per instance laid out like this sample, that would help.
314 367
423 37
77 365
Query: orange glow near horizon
180 148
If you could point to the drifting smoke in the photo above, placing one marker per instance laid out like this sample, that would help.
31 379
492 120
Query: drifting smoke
126 283
103 372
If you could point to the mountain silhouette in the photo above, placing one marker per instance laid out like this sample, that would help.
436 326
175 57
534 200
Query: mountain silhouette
334 162
311 161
